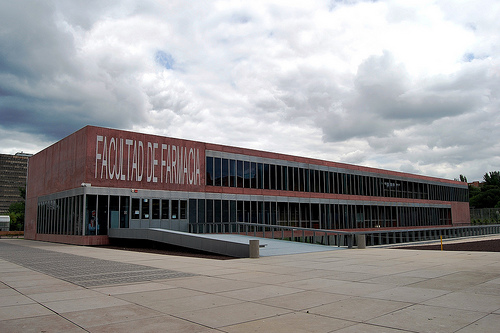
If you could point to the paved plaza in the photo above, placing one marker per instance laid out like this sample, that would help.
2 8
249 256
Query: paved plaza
46 287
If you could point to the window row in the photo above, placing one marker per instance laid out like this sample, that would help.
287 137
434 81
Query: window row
62 216
159 209
74 216
245 174
314 215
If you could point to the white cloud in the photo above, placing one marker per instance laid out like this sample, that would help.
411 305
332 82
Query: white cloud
409 86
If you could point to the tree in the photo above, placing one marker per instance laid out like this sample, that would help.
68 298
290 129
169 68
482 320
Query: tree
489 194
16 212
493 178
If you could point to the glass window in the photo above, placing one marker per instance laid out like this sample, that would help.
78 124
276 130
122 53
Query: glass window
136 213
217 210
145 208
232 211
165 209
156 209
192 211
102 215
240 211
260 176
210 211
210 170
316 181
328 182
253 211
124 211
309 179
114 211
218 172
201 210
273 177
232 173
225 172
285 178
91 213
175 209
239 174
266 177
296 179
183 209
279 186
246 211
246 174
253 174
225 211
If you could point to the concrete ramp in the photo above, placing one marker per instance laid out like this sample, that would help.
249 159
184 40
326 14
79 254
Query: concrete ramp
226 244
233 248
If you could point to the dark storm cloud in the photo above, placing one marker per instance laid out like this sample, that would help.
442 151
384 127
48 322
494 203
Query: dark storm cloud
46 86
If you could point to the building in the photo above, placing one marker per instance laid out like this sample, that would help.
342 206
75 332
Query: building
100 178
13 170
476 183
4 222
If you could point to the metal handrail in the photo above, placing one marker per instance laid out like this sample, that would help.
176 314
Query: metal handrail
341 238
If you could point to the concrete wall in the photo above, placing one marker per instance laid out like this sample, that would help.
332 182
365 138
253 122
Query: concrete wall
59 167
460 213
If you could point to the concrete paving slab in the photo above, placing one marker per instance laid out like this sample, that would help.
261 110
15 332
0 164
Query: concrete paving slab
292 322
16 299
110 315
467 301
439 293
132 288
232 314
192 303
367 328
213 284
148 298
83 304
358 309
49 323
484 324
154 324
260 292
354 288
303 300
23 311
455 281
424 318
486 288
408 294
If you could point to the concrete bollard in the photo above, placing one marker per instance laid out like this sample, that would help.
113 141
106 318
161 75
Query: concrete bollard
253 246
361 240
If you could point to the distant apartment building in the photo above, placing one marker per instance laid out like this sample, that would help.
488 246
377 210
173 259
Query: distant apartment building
13 171
476 183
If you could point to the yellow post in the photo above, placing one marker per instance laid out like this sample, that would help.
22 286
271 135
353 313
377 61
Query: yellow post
441 242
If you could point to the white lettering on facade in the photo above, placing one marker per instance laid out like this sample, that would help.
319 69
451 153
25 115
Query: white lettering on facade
98 156
159 162
129 143
112 166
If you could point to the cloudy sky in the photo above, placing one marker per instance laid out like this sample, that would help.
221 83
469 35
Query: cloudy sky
410 85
